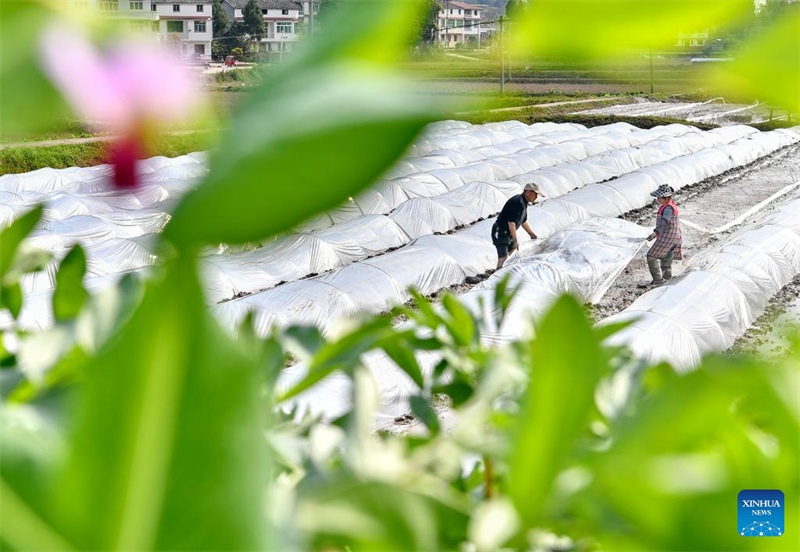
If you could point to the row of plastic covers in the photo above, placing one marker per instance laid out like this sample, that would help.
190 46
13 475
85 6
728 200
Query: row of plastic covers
705 309
439 201
121 240
582 259
434 262
718 297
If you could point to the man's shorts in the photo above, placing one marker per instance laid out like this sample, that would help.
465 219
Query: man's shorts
502 242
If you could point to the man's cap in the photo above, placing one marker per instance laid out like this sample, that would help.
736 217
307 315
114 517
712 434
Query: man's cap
533 188
663 191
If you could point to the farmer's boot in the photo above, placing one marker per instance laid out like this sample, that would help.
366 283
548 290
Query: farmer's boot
666 268
655 272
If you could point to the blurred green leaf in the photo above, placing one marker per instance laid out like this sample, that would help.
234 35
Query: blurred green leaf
7 358
401 351
458 391
30 449
308 138
12 236
768 66
308 337
67 371
11 298
422 409
690 447
557 404
169 414
387 33
343 354
69 295
504 293
601 28
461 323
424 313
29 101
369 516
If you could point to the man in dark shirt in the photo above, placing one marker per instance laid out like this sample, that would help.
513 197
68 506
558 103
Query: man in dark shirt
513 215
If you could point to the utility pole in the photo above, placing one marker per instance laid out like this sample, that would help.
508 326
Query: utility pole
446 38
502 60
311 17
651 70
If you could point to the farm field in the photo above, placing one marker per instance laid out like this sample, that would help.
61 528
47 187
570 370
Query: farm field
392 229
257 307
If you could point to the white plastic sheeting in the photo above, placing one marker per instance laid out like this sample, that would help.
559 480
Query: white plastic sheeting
436 262
79 202
718 297
582 259
434 209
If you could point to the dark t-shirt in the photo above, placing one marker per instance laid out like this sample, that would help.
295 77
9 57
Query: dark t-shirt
515 210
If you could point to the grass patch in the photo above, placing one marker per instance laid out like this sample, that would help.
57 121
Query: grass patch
26 159
58 129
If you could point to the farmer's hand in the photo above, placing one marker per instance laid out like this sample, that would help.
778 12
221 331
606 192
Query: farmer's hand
514 245
533 236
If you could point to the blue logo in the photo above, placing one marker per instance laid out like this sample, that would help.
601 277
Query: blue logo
761 513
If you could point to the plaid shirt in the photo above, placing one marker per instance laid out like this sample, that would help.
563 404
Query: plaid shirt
668 234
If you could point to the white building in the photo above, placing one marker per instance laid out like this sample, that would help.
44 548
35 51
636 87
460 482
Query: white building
697 39
137 15
459 23
281 18
186 25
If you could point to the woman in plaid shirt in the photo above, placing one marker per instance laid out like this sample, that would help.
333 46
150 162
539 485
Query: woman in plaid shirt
667 234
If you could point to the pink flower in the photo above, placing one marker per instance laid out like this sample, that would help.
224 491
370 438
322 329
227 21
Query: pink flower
126 90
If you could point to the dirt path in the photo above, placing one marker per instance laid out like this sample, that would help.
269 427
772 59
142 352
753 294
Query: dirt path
551 104
87 140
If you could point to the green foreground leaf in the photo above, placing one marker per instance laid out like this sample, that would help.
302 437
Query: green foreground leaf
168 435
601 28
769 68
316 132
556 408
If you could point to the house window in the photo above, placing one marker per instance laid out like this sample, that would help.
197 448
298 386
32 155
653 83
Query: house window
153 7
283 27
284 12
176 8
155 26
136 6
109 5
199 26
300 11
200 49
174 26
200 8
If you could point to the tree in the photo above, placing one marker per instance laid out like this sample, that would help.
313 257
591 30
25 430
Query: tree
428 22
254 20
326 7
221 23
233 39
516 9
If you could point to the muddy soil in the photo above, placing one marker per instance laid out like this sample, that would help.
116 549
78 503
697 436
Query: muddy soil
715 111
769 336
710 204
